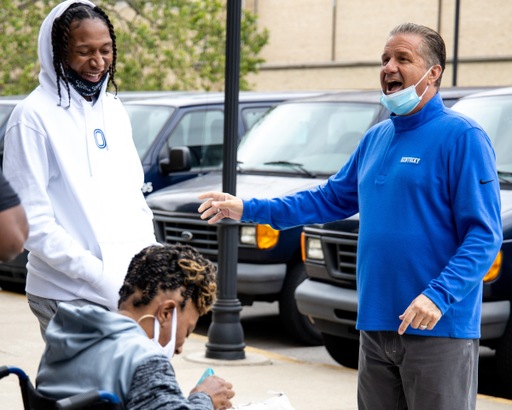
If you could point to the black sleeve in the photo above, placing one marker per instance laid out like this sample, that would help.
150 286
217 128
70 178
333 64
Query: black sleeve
154 386
8 197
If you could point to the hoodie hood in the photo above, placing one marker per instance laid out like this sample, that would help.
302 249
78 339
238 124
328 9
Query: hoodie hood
74 330
47 75
89 348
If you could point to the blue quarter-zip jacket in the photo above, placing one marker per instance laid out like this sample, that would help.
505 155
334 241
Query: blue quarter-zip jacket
427 192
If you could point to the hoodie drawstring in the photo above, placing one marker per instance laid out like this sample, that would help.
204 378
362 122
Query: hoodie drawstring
90 144
103 118
87 144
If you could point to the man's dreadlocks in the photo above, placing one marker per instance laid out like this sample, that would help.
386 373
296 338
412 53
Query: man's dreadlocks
170 267
60 38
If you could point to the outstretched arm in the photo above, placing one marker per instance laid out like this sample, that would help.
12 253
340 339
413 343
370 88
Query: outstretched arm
337 199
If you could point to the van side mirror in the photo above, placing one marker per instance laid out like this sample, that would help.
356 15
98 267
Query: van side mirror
174 160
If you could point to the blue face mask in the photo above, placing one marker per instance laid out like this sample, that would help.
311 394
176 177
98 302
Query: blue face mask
404 101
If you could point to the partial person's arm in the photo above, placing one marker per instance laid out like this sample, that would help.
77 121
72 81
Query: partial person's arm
337 199
13 223
14 228
477 213
27 167
154 386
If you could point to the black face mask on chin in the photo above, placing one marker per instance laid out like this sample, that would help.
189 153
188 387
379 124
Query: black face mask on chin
82 86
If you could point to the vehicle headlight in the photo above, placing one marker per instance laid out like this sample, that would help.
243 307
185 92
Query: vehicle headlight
248 235
495 269
266 236
263 236
314 249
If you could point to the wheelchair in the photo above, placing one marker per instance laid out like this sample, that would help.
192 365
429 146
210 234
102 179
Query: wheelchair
33 400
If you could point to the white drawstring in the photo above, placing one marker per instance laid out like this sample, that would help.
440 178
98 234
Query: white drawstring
87 143
102 97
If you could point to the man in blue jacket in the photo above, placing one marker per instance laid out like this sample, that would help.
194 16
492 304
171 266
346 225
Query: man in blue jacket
425 185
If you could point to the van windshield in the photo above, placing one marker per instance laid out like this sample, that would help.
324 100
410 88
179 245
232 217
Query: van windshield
494 114
147 122
306 138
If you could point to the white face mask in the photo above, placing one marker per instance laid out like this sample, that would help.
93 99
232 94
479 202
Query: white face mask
170 347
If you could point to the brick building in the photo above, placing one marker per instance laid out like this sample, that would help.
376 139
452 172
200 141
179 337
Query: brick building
337 44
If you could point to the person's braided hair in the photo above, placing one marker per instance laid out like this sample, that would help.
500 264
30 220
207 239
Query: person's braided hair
170 267
60 39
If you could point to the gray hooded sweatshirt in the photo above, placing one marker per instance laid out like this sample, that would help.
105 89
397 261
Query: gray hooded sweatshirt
91 348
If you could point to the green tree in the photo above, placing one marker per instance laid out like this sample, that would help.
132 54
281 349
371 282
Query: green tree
19 28
162 44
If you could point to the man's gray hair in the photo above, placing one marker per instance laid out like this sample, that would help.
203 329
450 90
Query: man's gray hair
432 49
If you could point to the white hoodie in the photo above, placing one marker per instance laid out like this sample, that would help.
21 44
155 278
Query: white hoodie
83 201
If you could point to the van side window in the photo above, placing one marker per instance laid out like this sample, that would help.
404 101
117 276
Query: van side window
252 114
147 123
203 133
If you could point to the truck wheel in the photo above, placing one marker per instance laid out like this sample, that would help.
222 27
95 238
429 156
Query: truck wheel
344 351
299 326
504 355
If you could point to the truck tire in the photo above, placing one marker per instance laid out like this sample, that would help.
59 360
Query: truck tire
299 326
504 355
344 351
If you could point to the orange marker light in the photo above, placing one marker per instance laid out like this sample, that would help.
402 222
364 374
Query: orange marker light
303 246
266 236
495 269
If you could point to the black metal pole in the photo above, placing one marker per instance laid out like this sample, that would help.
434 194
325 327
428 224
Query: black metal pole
226 335
456 43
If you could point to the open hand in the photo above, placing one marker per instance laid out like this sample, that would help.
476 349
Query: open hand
220 205
422 313
220 391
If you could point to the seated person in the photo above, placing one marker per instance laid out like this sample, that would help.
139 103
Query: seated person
165 291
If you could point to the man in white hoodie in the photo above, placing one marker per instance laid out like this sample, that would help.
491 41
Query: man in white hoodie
70 156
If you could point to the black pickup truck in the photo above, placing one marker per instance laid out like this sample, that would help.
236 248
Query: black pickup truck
329 295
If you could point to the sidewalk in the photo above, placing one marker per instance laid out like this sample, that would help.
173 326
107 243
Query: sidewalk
308 385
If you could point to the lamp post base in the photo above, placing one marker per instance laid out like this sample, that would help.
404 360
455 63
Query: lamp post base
226 335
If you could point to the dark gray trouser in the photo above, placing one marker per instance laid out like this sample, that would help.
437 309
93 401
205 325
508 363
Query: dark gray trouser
44 309
416 372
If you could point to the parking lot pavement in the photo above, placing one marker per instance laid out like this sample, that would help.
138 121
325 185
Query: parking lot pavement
308 385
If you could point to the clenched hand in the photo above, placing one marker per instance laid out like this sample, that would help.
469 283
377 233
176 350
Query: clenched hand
220 391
